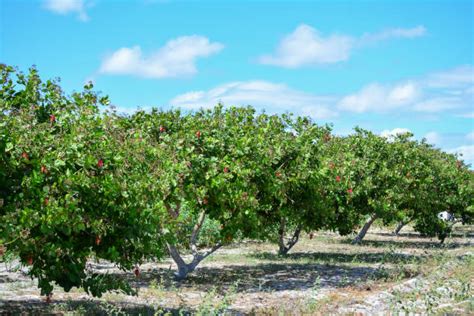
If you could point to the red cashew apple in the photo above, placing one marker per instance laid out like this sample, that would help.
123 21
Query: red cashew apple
100 163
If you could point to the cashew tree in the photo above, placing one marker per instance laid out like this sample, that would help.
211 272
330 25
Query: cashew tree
74 186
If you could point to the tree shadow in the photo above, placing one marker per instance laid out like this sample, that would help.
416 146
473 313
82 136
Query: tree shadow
266 278
269 277
332 257
278 275
423 244
457 234
82 306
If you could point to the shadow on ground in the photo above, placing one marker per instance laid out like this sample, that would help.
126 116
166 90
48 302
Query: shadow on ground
423 244
333 257
81 307
261 278
459 232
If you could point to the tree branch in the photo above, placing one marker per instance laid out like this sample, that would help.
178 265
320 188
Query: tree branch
195 233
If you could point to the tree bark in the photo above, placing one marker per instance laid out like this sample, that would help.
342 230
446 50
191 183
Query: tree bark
399 227
185 268
365 228
283 247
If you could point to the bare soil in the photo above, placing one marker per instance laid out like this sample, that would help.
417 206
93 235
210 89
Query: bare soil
324 275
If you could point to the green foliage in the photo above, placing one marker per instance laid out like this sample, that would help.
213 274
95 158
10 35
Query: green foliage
79 181
72 183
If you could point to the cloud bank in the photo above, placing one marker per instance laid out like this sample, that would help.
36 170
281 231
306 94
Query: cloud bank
65 7
417 95
260 94
307 46
177 58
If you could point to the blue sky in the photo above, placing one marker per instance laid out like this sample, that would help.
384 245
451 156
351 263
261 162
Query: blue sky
383 65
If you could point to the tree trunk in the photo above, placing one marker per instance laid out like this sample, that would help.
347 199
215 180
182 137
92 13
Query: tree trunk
185 268
400 225
283 247
364 229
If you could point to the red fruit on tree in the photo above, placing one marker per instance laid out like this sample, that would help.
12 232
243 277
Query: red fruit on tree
338 178
44 169
52 118
100 163
349 190
226 170
24 155
98 240
198 134
162 129
46 201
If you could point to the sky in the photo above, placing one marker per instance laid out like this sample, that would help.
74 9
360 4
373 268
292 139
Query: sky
387 66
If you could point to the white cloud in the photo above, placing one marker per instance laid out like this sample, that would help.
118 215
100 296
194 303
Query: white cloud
466 152
307 46
433 138
438 92
378 97
460 76
390 134
68 6
470 136
467 115
438 104
414 32
405 96
177 58
261 94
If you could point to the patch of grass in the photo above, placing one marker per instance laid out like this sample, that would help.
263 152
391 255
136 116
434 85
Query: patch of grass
448 290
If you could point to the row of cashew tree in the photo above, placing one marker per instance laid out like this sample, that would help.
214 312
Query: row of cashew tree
79 181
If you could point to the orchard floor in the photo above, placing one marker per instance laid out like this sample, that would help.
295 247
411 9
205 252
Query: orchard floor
324 275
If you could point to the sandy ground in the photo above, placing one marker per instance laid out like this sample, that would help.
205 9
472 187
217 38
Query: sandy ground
323 275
